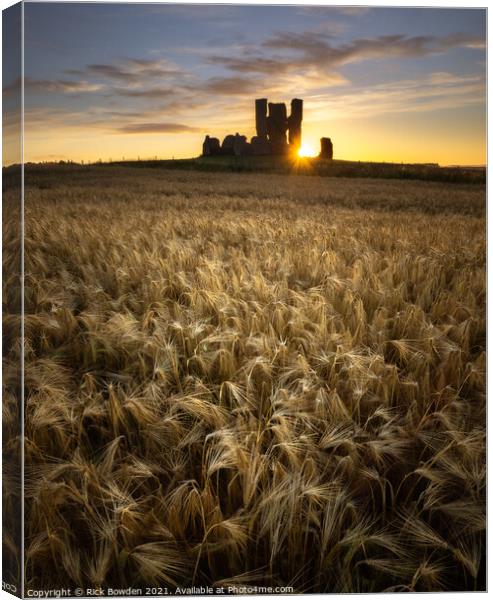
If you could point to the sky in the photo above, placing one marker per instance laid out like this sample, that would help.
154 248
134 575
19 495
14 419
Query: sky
112 81
11 66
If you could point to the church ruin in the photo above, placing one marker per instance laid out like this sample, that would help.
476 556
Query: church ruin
277 133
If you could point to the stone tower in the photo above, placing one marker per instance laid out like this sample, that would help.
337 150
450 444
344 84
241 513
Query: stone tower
294 123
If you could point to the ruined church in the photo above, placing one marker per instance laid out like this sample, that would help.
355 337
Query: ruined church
277 134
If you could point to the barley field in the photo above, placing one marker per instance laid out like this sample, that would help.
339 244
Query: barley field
253 380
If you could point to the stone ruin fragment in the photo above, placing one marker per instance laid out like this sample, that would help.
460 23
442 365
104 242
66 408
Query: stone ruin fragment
277 134
210 146
227 146
240 145
326 148
277 127
273 127
294 123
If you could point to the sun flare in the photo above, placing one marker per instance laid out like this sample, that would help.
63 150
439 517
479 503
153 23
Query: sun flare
306 150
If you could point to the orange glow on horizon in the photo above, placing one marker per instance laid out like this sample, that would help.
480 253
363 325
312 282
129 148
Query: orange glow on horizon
372 141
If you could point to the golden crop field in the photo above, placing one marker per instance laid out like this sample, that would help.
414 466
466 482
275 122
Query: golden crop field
254 380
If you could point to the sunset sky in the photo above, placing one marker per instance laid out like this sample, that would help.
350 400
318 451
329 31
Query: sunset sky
117 80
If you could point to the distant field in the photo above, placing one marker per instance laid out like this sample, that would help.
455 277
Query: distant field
315 166
254 379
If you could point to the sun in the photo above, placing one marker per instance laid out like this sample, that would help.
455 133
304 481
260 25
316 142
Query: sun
306 151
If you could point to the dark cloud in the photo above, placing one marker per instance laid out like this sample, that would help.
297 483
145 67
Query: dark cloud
157 128
314 50
215 85
108 71
253 64
229 85
128 70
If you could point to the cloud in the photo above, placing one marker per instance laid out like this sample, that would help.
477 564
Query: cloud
157 128
353 11
141 96
61 86
101 121
287 62
11 121
253 64
134 77
12 88
129 70
228 85
221 86
138 75
144 92
437 91
465 41
314 50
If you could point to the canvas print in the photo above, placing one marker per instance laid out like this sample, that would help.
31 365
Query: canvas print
243 299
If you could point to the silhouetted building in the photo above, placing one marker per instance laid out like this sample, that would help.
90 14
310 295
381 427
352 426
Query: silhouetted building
276 132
